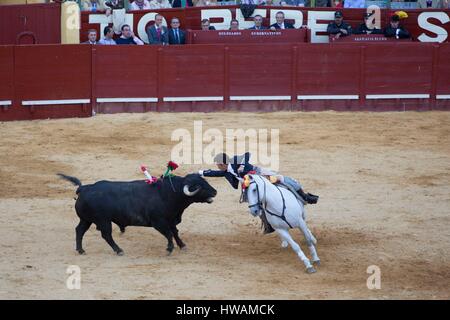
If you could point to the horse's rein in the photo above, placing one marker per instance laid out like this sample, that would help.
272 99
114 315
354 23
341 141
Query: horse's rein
264 208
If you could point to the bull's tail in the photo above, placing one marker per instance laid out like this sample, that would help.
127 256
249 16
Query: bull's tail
73 180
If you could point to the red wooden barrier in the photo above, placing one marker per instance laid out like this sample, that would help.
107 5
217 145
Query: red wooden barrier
333 80
43 20
246 36
402 70
191 77
442 77
6 77
124 73
50 81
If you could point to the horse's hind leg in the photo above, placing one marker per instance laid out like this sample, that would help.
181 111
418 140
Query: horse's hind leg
284 234
310 241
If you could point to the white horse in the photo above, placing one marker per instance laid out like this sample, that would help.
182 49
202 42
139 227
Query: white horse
283 211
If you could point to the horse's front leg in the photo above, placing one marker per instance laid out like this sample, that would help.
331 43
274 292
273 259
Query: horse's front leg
284 234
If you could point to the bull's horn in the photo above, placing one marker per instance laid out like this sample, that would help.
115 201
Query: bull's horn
189 193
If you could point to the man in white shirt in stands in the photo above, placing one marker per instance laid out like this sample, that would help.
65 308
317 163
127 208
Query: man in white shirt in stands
160 4
108 39
140 5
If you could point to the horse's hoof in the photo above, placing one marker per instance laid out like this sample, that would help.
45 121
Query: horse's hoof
169 253
284 244
317 262
310 270
81 252
120 253
183 248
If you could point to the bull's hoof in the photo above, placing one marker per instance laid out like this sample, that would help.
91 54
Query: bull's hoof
120 253
317 262
310 270
81 251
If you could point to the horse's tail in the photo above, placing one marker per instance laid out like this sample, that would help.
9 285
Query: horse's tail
73 180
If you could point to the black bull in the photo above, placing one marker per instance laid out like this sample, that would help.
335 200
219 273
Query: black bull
136 203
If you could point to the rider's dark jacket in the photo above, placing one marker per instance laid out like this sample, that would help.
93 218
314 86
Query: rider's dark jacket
239 166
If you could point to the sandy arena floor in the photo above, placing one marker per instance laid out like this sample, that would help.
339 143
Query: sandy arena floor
383 179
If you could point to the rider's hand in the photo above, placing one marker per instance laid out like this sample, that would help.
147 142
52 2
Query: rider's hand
200 172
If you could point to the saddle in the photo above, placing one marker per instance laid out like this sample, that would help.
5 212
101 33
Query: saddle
294 192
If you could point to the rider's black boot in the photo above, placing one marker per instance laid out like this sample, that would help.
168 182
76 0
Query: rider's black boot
308 197
267 227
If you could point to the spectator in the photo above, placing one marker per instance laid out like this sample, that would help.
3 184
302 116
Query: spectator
92 37
128 36
255 2
176 35
258 19
140 5
368 26
234 25
281 24
160 4
108 33
182 3
157 33
430 4
115 4
93 5
116 8
270 3
394 29
206 25
339 28
204 3
319 3
350 4
292 3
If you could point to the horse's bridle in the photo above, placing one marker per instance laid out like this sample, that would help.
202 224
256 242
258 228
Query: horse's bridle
264 207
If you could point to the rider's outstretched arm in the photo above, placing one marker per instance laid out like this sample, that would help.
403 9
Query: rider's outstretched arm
212 173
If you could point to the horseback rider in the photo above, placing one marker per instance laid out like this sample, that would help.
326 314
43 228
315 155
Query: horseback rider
234 169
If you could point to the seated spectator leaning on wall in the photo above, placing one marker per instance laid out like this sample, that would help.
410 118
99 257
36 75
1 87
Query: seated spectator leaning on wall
394 29
157 33
206 25
176 35
368 26
430 4
128 37
108 33
160 4
182 3
140 5
281 24
93 5
258 19
292 3
234 25
92 37
339 28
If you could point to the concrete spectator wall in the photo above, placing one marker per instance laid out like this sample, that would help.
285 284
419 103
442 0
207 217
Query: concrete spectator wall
52 81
